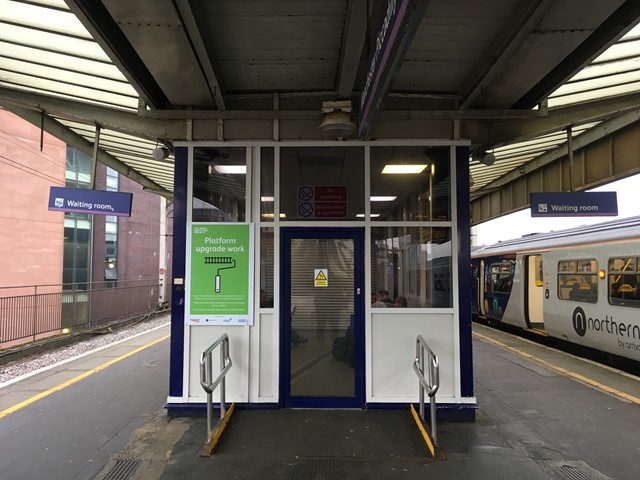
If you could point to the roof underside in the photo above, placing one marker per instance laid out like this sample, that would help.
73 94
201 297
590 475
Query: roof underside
510 75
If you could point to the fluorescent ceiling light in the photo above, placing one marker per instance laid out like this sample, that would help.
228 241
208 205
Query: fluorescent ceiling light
271 215
400 169
231 169
373 215
383 198
266 199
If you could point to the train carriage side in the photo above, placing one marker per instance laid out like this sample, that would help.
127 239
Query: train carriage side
579 285
594 296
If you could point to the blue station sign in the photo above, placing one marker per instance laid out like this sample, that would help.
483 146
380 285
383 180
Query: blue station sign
390 40
574 204
90 201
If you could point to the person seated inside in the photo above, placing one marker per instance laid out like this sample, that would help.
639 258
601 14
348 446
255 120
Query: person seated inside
383 296
400 302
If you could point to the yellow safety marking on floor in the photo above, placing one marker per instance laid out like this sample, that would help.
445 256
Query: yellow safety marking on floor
77 378
563 371
425 435
207 450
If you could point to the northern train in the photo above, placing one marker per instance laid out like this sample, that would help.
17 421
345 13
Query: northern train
580 285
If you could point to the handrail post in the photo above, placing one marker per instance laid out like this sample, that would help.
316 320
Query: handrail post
209 376
223 356
434 379
209 384
433 383
421 367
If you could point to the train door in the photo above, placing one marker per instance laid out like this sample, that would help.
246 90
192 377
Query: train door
534 292
322 318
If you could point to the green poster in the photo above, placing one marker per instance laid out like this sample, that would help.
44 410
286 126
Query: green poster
220 275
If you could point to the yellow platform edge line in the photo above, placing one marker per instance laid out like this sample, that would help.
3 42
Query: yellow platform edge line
425 435
77 378
207 451
563 371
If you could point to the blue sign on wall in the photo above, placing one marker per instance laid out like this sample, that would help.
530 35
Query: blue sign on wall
576 204
90 201
390 41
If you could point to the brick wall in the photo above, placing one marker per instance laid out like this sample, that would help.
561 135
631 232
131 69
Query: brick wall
31 237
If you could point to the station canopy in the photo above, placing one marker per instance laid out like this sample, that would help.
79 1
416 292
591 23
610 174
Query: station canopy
511 76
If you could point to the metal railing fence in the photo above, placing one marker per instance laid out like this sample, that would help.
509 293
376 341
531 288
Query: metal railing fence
30 313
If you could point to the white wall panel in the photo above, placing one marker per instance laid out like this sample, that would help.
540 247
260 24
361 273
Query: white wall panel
268 358
200 338
392 352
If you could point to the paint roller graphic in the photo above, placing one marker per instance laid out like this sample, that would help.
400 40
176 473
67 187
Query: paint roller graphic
220 261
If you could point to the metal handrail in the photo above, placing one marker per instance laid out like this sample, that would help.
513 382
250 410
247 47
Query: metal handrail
431 385
207 382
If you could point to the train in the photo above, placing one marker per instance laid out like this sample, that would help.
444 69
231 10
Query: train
580 286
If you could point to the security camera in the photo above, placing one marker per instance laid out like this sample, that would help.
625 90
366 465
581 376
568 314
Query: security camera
160 153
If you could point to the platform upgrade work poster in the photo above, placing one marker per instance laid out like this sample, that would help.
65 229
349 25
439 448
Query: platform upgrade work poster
220 274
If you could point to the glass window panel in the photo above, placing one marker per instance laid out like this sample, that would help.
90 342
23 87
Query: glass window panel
267 203
83 235
111 227
321 183
626 264
63 76
45 18
266 268
587 266
47 41
423 195
501 279
112 184
67 277
81 255
78 172
82 277
413 263
539 270
576 282
624 282
67 258
323 317
87 66
219 184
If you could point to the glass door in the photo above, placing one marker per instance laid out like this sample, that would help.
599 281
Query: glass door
322 318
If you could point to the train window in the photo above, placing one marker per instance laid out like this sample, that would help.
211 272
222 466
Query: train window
539 271
501 277
624 280
578 280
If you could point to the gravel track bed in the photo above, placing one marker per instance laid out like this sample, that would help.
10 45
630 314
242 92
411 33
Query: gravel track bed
29 364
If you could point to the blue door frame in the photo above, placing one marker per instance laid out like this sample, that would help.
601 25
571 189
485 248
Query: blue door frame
286 399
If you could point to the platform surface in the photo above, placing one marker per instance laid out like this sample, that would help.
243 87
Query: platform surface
541 414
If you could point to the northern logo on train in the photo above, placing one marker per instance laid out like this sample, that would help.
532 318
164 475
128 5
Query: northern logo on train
579 321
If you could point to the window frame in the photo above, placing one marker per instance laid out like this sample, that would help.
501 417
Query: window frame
565 291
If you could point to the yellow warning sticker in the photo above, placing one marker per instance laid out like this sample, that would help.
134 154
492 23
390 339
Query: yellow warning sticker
321 277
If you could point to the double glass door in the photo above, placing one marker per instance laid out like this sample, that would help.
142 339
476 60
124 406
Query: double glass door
322 318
